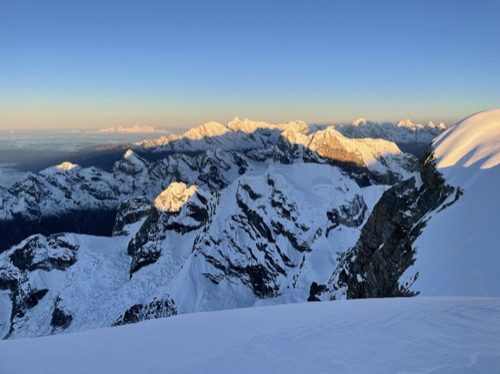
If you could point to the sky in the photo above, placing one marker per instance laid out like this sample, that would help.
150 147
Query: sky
97 64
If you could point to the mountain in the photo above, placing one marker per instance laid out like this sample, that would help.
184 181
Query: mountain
293 215
86 200
68 198
245 134
237 136
410 137
217 229
419 335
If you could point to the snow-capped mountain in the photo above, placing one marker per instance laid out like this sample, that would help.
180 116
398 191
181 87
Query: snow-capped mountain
410 137
70 198
213 230
236 136
246 135
294 215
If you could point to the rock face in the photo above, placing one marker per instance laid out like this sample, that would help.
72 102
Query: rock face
130 212
384 251
178 209
155 309
225 217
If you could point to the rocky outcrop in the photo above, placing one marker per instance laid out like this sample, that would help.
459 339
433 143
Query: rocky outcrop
130 212
351 214
155 309
45 253
60 320
373 267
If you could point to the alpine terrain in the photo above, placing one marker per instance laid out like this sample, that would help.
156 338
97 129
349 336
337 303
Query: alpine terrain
253 214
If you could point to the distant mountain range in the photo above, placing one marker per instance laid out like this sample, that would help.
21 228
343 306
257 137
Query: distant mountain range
408 136
133 129
250 214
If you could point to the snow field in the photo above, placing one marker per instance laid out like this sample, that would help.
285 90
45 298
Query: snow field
418 335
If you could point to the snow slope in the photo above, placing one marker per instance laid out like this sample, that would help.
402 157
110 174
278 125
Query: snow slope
474 140
459 252
418 335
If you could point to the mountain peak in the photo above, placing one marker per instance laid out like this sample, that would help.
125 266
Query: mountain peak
209 129
129 153
131 157
174 197
406 123
359 121
66 166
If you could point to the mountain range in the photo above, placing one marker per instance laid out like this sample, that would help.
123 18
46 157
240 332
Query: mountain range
251 214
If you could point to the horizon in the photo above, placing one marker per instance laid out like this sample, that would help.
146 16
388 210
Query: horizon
153 130
87 66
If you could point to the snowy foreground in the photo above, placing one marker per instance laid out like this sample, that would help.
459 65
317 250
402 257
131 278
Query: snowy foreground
415 335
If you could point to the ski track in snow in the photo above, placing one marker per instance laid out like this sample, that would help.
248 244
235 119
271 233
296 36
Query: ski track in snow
418 335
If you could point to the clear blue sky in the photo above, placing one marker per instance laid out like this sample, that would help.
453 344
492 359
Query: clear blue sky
90 64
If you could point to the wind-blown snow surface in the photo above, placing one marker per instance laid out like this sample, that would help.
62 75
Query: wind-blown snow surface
459 252
474 140
418 335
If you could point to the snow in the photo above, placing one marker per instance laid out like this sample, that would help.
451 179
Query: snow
458 252
248 126
418 335
174 197
87 290
402 132
66 166
128 153
206 130
5 312
475 140
370 151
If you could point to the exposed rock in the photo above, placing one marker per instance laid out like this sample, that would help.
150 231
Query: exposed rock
384 250
315 290
130 212
351 214
179 209
23 297
61 320
155 309
46 253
